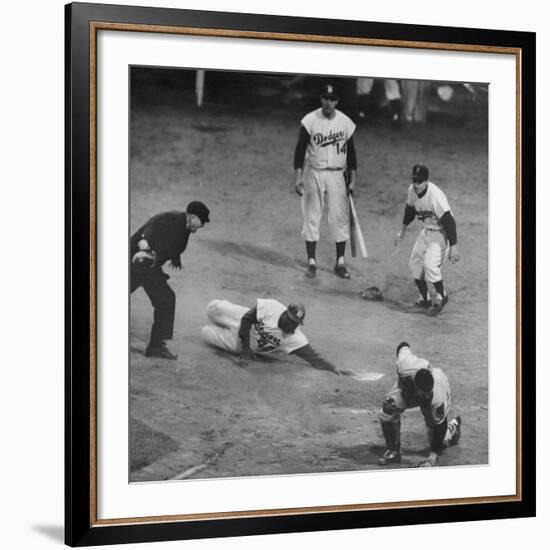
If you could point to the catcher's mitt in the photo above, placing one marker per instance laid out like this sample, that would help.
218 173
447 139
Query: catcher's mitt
144 259
373 293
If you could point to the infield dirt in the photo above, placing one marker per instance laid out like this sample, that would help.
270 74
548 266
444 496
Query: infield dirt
202 416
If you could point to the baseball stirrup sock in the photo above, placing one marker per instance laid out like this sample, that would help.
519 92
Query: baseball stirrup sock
422 288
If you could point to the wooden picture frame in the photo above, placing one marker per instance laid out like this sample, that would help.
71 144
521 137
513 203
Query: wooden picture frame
83 22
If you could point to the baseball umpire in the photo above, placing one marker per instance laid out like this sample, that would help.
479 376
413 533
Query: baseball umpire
325 146
267 327
164 237
418 385
436 240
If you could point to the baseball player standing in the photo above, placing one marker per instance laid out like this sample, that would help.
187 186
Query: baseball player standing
164 237
324 152
436 239
418 385
267 327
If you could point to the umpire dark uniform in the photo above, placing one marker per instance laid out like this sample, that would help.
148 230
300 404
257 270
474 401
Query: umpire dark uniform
164 237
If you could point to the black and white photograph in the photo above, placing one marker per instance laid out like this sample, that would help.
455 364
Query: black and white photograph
223 314
308 265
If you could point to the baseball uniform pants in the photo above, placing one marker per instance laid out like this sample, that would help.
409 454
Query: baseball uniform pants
225 318
317 185
428 254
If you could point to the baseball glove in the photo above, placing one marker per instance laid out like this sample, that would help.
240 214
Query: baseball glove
144 259
373 293
426 463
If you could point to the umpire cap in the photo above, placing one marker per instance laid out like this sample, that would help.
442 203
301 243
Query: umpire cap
297 312
200 210
420 173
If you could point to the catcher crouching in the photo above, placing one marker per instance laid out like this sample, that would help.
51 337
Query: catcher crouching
418 385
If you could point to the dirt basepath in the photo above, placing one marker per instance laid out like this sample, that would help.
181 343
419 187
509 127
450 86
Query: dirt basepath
279 416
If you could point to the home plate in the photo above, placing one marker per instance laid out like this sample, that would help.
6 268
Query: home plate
369 376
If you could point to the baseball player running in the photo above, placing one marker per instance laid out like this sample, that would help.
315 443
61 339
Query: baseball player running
324 152
436 239
418 385
267 327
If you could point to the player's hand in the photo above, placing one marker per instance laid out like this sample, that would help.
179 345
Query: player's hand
351 188
143 245
175 265
144 260
246 355
454 256
299 188
399 238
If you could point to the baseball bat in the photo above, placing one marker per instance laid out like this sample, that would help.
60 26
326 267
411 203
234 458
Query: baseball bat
356 229
352 239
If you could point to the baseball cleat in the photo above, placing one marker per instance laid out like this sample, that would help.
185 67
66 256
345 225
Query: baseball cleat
390 457
455 438
341 271
437 305
311 271
424 304
160 351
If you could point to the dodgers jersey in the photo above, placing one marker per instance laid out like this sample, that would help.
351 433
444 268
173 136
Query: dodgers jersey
430 207
266 336
328 138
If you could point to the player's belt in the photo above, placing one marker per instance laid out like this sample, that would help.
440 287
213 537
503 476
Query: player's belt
433 229
329 169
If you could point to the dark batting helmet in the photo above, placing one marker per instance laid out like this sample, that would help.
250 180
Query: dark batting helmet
420 173
297 312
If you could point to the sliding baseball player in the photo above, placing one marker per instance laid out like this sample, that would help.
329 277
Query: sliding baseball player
265 328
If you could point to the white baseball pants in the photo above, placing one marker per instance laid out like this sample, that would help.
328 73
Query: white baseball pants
429 251
225 318
317 185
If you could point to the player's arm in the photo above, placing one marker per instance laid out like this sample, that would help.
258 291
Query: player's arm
351 162
157 232
247 320
436 444
408 216
315 360
299 157
439 431
448 223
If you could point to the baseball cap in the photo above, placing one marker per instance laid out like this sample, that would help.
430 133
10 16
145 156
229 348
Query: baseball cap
329 91
420 172
200 210
424 380
297 313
